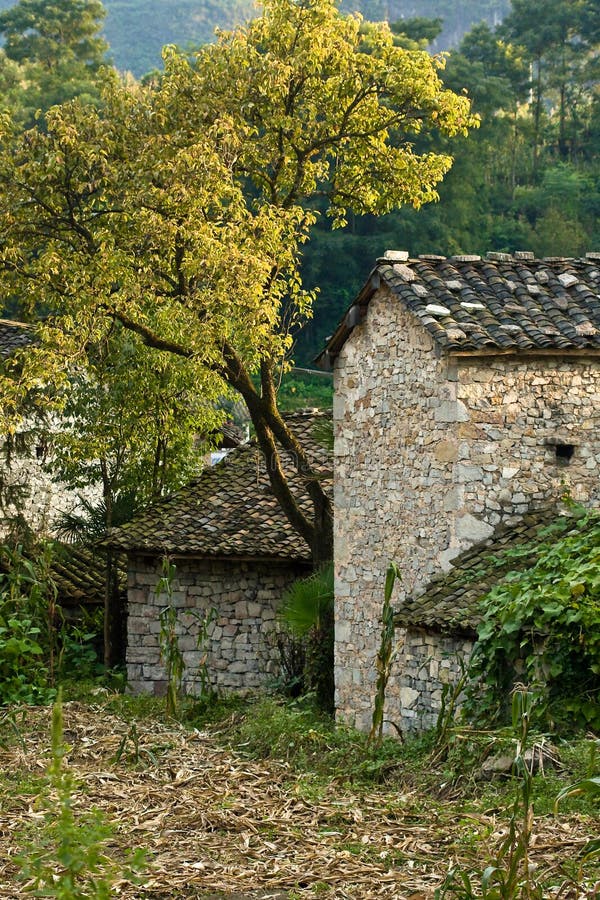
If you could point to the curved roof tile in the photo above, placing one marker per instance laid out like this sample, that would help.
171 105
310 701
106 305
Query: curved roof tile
501 303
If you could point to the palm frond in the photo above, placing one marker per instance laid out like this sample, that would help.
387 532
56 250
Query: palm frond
308 601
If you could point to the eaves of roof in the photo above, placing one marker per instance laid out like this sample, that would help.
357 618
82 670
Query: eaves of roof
500 304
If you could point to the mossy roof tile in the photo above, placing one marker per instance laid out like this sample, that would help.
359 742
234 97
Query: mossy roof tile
451 601
230 509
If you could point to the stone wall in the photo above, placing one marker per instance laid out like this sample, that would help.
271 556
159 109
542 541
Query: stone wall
431 454
240 652
28 492
429 661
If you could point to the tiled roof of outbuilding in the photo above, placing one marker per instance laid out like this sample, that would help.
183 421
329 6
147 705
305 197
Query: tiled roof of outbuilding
451 601
13 336
78 573
230 510
500 303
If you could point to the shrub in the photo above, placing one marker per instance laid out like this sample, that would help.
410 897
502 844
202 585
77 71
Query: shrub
28 640
37 645
307 612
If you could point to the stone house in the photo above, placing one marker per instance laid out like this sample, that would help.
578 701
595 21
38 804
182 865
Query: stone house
234 552
466 402
29 496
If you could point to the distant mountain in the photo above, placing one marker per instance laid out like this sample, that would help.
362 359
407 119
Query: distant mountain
138 29
458 15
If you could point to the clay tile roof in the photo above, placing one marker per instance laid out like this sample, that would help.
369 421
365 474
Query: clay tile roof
78 573
451 601
230 509
13 335
502 302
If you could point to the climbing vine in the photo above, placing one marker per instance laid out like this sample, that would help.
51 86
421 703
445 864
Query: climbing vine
542 626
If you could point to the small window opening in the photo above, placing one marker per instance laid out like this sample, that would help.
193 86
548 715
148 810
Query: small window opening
564 452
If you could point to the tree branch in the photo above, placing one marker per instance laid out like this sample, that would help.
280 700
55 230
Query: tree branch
149 337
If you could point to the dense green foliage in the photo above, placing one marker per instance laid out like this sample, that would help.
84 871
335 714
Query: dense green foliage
37 645
529 179
134 422
52 53
300 390
542 626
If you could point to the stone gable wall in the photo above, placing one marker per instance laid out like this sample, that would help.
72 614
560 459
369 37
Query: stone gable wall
28 491
430 455
240 653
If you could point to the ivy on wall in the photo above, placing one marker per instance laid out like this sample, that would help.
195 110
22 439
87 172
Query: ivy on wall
542 626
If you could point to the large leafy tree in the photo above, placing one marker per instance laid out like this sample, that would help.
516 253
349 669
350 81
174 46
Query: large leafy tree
136 423
179 210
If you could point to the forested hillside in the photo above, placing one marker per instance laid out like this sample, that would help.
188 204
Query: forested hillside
138 29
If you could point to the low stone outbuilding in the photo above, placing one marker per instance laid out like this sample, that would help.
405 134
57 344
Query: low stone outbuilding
234 552
466 396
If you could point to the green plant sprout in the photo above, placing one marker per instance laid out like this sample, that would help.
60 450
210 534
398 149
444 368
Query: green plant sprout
510 875
170 653
385 656
67 858
205 620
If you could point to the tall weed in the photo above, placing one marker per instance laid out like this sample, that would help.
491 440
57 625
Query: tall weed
67 857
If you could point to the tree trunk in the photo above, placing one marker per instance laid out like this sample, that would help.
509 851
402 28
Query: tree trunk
114 624
537 116
271 429
322 544
113 632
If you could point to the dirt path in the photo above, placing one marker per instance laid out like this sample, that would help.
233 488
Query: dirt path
215 825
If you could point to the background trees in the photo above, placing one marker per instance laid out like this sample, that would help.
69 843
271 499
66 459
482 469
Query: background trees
57 47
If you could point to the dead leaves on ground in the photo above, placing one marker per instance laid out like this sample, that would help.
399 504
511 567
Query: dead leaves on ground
217 825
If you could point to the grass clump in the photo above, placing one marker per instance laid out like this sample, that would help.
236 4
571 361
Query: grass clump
308 741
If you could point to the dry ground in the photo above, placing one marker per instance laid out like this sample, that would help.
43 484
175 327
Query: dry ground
217 825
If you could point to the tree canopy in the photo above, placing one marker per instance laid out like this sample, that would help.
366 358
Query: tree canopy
179 209
51 33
